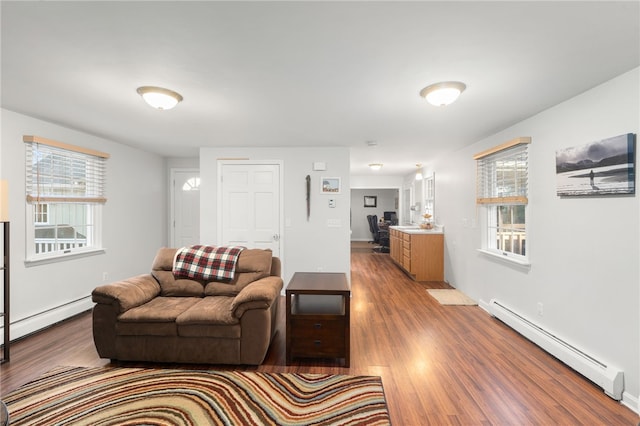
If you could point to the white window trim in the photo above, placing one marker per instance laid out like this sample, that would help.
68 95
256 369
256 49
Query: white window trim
503 256
96 247
63 257
507 257
94 218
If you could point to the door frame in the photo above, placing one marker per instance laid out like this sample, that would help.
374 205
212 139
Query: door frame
400 209
244 161
172 199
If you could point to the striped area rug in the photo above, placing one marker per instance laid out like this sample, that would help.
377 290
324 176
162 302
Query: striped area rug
135 396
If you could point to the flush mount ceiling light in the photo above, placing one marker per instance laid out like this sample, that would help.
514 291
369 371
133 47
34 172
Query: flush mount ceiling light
375 166
159 97
444 93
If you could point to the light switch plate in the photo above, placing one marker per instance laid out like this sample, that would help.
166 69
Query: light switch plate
319 166
334 223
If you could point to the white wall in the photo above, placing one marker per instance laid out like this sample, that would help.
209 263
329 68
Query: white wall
387 200
584 251
376 181
183 163
306 245
134 225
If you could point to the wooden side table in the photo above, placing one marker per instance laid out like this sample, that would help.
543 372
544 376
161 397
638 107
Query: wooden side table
4 414
318 316
4 314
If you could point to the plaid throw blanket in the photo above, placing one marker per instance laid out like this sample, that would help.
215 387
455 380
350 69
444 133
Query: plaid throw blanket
206 263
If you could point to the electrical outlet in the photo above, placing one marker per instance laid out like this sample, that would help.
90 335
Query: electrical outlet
540 309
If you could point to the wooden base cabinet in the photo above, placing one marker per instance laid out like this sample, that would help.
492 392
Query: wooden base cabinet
419 254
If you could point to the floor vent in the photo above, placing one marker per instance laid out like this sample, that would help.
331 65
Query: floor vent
609 378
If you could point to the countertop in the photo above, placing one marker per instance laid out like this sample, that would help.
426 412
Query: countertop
415 229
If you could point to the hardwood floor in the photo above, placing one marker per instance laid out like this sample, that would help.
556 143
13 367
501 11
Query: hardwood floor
440 365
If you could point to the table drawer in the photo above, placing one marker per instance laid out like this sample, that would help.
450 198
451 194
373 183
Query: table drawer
318 338
321 328
318 347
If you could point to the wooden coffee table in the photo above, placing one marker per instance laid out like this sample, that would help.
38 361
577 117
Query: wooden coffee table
318 316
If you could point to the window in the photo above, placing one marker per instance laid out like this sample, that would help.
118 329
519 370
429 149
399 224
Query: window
65 192
502 179
41 214
430 196
192 184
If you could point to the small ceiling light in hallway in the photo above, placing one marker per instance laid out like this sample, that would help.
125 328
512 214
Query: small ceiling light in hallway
159 97
444 93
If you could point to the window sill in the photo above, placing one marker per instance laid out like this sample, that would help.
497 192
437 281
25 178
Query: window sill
62 257
507 259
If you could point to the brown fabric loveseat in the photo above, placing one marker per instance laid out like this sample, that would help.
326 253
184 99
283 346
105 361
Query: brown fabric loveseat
156 317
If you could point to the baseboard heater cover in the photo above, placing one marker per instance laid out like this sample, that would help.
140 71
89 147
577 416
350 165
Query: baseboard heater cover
609 378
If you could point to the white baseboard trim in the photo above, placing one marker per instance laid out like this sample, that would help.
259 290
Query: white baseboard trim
484 305
24 327
630 402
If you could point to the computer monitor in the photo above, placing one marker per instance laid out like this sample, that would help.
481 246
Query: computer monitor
391 217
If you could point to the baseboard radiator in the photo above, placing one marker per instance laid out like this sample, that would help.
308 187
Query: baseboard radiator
609 378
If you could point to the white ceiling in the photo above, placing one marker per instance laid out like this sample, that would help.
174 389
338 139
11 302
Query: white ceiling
308 73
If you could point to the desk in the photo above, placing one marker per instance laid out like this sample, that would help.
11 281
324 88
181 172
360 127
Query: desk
318 316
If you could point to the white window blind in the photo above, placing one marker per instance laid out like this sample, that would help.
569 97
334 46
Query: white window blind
502 194
65 193
58 172
502 173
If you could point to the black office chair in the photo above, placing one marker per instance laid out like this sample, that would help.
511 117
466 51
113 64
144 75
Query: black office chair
372 228
380 236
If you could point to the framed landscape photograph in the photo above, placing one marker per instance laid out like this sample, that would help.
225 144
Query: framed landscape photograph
330 185
605 167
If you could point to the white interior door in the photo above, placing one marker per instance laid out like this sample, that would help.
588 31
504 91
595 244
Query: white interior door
250 205
185 207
